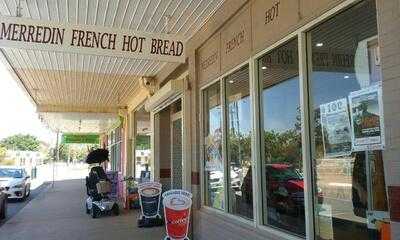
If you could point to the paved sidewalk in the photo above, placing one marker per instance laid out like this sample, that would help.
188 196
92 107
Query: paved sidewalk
59 214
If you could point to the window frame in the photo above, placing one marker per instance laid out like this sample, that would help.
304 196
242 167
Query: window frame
224 124
308 70
225 105
303 104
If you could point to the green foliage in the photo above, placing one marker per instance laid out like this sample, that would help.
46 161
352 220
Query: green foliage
142 142
70 152
21 142
3 151
3 160
283 147
240 149
9 162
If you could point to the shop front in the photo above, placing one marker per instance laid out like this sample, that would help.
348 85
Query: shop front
289 137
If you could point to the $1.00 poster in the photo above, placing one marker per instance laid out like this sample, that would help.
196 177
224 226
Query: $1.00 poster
367 119
336 128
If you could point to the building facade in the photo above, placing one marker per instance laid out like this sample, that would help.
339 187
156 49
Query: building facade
282 121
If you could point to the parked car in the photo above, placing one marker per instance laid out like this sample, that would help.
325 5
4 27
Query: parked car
285 186
3 204
15 181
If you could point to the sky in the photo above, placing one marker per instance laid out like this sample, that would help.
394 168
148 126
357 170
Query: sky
18 114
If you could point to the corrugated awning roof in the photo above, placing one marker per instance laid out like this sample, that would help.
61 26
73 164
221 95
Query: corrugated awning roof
71 81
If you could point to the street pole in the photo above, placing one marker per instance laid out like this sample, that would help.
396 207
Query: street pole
57 157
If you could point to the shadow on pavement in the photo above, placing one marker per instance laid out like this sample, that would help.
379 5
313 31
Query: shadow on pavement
16 205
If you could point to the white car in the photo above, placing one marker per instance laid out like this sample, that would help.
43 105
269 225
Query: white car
15 181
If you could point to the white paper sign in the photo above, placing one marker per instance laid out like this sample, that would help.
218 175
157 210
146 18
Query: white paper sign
87 39
366 108
335 125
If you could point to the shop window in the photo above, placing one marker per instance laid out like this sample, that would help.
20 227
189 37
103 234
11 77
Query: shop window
238 118
347 125
282 171
213 162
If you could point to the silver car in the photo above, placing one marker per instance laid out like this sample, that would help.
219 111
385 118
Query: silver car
15 181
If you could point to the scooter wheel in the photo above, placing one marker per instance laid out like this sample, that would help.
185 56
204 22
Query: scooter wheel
115 210
95 211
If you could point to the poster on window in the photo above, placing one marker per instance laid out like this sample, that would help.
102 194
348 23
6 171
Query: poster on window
366 112
335 124
213 151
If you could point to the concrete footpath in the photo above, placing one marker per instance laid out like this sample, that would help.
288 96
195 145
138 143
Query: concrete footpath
59 214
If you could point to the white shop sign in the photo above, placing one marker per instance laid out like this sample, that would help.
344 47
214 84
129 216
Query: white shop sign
87 39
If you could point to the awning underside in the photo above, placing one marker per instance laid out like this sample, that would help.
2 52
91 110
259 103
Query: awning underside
73 81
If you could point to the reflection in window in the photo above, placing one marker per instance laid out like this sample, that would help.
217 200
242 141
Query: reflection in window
239 142
345 83
283 186
213 166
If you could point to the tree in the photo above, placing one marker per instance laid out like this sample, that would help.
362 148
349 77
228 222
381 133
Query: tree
71 152
21 142
283 147
3 151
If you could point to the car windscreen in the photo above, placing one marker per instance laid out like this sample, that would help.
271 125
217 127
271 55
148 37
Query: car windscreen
284 174
10 173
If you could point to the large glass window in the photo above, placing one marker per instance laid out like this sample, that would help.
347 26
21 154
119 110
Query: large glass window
213 164
282 171
238 117
347 125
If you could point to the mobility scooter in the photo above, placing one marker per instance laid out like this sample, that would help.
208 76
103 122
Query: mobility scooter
98 187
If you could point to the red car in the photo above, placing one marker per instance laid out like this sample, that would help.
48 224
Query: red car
285 188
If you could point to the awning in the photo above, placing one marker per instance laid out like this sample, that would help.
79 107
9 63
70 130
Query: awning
74 122
76 84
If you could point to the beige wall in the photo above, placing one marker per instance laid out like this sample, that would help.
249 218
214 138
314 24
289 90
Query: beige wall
236 40
209 60
389 41
253 26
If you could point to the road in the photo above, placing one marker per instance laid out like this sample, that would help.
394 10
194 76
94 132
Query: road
14 206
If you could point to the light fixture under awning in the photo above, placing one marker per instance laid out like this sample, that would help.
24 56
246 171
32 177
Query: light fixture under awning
167 93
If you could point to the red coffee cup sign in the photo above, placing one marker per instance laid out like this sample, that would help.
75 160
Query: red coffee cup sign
177 205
